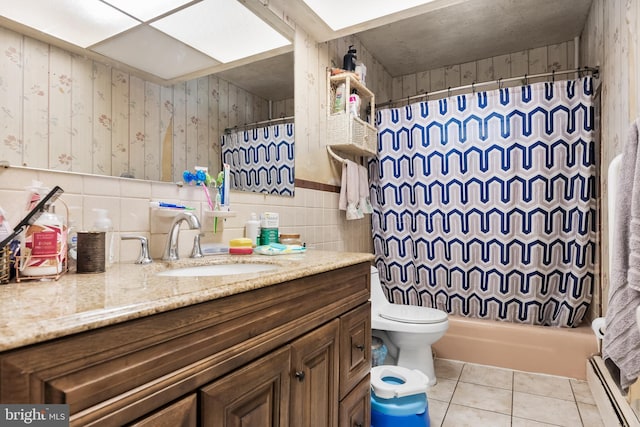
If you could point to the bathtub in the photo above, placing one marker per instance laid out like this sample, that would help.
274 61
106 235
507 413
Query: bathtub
541 349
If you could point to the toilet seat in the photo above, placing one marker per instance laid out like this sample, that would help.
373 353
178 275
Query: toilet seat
412 314
413 381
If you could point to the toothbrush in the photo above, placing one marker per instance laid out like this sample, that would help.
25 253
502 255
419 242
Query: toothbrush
170 205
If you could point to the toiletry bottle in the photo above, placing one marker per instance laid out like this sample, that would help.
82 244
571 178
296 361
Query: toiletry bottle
34 193
72 246
252 229
103 224
349 60
361 73
354 103
44 246
338 105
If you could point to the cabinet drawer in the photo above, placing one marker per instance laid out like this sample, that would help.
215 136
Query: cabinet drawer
355 347
183 413
355 409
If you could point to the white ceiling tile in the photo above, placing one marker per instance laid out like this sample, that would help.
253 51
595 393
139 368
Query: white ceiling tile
82 23
223 29
339 14
146 10
154 52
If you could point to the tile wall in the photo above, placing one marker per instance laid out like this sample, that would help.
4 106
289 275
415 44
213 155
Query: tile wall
312 213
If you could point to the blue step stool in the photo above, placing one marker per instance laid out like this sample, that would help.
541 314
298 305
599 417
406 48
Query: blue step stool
398 397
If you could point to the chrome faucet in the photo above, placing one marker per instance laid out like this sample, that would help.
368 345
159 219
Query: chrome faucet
171 248
144 257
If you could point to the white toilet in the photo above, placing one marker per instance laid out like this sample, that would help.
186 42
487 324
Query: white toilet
407 330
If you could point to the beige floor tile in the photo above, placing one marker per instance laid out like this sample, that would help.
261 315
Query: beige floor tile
463 416
482 397
442 391
582 392
437 411
545 409
543 385
448 369
521 422
590 415
487 375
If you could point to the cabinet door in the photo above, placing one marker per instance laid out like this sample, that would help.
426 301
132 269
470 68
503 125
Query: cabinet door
355 409
183 413
314 383
355 347
254 396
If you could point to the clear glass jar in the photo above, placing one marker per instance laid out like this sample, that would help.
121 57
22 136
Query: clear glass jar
290 239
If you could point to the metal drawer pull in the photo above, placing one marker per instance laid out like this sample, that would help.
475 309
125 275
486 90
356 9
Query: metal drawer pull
359 347
299 375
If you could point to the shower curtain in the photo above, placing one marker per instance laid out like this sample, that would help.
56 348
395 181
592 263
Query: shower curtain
261 160
484 204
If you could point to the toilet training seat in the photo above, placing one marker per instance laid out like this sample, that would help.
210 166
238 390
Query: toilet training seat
412 314
388 381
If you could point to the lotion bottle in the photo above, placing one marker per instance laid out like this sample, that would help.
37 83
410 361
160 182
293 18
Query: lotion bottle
252 229
44 246
338 105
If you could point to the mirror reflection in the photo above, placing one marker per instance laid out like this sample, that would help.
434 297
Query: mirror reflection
72 113
261 159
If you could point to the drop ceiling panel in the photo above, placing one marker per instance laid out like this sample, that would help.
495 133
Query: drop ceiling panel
81 23
147 10
154 52
223 29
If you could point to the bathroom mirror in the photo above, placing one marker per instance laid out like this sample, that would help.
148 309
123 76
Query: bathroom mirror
73 113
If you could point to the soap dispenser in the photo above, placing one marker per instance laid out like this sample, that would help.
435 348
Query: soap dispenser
103 224
349 60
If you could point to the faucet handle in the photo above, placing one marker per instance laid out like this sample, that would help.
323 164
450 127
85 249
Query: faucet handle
196 252
144 257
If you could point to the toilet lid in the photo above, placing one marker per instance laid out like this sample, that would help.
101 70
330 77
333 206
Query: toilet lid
413 314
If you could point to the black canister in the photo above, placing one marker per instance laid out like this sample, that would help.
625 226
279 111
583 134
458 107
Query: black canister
349 62
91 250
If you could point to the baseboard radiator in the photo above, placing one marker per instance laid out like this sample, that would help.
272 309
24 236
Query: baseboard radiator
611 402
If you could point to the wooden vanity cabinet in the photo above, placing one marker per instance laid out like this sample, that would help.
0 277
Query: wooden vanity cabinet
295 353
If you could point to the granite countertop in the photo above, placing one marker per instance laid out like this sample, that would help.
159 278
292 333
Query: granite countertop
35 311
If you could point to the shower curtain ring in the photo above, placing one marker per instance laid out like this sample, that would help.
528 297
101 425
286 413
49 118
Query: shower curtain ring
473 87
449 92
526 80
553 76
499 83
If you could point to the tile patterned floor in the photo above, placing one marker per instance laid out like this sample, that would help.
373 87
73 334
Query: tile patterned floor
479 396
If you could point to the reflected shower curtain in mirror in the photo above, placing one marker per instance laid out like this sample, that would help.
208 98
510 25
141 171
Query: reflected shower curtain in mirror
262 159
484 204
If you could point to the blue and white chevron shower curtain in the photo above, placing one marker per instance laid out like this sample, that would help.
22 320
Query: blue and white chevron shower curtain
484 204
262 159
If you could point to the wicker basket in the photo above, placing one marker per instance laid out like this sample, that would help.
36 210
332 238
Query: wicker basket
351 135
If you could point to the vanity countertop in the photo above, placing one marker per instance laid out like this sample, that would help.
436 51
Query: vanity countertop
35 311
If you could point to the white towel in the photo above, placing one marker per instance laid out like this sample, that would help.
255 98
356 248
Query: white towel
621 344
350 191
364 204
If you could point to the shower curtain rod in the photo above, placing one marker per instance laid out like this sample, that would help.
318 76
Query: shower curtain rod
263 122
595 71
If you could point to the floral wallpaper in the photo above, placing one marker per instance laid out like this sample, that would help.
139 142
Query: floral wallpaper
64 112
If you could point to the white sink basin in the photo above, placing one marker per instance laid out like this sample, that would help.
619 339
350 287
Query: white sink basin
218 270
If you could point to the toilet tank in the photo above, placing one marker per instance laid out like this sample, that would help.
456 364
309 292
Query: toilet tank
378 297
